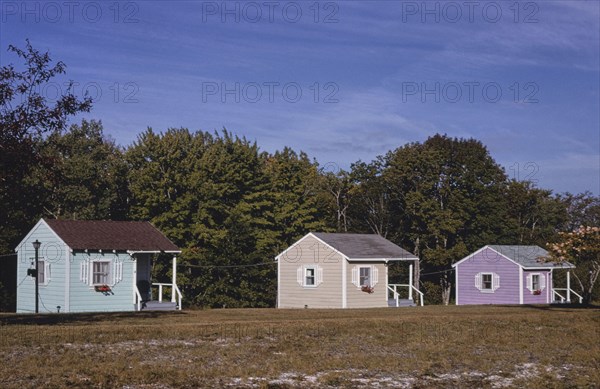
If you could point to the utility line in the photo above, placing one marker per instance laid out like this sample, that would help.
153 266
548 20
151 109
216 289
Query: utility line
229 266
436 272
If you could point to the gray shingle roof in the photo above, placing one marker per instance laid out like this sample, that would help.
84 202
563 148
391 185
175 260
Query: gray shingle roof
528 256
364 246
111 235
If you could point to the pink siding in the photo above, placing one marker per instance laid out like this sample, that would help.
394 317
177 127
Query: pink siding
485 261
529 297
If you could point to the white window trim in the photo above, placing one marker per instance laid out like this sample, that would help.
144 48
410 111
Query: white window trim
109 274
45 265
115 272
373 275
370 277
302 272
542 279
314 276
479 282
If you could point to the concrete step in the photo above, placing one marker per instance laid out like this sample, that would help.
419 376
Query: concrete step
159 306
402 303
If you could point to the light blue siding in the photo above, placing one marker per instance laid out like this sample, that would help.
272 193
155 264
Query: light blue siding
52 250
84 298
65 287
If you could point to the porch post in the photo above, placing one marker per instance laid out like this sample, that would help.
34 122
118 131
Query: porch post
410 281
174 279
568 286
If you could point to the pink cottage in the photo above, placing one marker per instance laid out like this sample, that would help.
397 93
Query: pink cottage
498 274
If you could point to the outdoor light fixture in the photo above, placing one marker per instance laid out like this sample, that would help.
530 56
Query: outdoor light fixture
36 246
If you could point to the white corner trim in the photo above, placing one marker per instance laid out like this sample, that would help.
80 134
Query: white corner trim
67 303
520 285
344 283
278 284
455 286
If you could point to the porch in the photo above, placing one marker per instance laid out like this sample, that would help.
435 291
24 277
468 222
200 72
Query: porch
154 296
559 298
396 293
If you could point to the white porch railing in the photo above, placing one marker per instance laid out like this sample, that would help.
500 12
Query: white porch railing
175 293
394 289
569 291
137 298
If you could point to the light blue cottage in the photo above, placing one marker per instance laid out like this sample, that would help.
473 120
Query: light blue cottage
93 266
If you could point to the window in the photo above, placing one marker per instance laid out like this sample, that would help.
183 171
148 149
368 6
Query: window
487 282
536 282
364 276
100 273
310 276
106 272
43 271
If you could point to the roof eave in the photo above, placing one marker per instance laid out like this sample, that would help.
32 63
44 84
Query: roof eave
131 252
382 259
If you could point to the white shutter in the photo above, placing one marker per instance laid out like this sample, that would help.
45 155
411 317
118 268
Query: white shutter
542 281
84 275
47 274
300 276
529 283
355 276
319 275
478 281
375 276
117 272
496 281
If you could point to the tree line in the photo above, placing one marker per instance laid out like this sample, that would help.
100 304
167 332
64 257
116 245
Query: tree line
233 207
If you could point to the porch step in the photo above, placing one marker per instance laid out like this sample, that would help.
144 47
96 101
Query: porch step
159 306
402 303
560 302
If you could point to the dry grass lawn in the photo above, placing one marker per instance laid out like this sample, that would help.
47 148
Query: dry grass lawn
433 346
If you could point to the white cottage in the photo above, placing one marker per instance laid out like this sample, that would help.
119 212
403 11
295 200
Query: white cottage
332 270
93 266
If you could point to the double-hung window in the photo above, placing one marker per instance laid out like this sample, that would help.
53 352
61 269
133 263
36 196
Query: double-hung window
364 276
101 272
310 274
486 281
535 281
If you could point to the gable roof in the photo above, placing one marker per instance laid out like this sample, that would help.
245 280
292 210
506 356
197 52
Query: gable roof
364 246
527 256
111 235
524 256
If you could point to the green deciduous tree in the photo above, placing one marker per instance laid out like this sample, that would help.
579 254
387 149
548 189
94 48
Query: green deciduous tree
581 247
535 216
229 206
447 197
82 175
25 117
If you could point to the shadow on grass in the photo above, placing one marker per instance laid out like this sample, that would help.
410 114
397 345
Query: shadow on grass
558 307
95 317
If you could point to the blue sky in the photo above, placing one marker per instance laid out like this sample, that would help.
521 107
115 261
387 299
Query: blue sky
344 80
